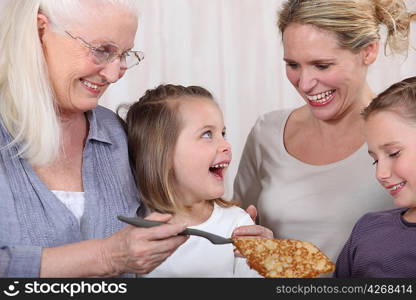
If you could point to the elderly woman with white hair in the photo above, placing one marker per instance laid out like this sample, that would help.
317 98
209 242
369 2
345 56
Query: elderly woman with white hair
64 168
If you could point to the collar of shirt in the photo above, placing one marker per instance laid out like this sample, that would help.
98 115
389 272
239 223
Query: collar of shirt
96 132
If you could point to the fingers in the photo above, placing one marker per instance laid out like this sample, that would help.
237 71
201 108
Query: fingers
252 231
252 211
159 217
162 231
152 254
237 253
168 246
140 250
155 253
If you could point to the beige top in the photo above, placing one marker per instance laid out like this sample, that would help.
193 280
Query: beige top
319 204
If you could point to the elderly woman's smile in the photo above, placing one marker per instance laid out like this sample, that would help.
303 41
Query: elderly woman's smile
77 64
94 88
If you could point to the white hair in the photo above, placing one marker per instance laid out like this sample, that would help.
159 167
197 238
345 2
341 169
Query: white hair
27 101
65 12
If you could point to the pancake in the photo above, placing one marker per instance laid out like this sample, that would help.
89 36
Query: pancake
283 258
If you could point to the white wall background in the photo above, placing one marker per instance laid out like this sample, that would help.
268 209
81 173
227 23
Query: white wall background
233 48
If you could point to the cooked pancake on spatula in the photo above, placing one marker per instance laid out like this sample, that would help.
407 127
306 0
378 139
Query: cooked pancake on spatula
278 258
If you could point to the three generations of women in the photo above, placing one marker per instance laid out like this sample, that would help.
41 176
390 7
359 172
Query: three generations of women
65 171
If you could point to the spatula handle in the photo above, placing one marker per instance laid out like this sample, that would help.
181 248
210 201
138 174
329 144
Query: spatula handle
139 222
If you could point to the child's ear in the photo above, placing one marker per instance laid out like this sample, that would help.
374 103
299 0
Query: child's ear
370 52
43 23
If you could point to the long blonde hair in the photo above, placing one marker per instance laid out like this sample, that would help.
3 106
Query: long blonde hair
356 23
27 101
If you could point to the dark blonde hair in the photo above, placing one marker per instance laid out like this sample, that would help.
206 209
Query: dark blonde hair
153 126
399 98
356 23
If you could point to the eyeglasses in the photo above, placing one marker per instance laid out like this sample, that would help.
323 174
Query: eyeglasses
107 53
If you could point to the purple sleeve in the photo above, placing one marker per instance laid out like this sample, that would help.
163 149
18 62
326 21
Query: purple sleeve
345 260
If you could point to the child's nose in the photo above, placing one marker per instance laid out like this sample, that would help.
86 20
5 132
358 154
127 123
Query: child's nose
383 171
225 147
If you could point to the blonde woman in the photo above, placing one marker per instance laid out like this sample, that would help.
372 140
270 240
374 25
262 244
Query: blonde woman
307 169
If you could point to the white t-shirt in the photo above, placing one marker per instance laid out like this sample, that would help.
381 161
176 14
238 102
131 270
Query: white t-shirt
198 257
74 201
296 200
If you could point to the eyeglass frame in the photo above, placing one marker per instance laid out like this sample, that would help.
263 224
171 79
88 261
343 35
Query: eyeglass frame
111 56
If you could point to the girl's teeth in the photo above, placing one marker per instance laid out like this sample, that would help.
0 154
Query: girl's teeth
220 166
397 186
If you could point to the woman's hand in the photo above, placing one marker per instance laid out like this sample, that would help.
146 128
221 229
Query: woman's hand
140 250
251 230
252 212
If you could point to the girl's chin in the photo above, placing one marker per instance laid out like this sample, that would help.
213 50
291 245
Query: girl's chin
217 194
402 203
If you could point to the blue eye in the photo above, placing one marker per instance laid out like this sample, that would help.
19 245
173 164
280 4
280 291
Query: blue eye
207 134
